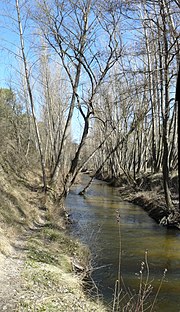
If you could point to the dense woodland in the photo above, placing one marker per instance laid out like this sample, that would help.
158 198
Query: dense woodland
114 64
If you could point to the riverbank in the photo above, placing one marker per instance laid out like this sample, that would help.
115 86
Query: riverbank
41 266
148 194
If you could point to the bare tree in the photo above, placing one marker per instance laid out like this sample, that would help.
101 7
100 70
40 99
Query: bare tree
27 77
84 35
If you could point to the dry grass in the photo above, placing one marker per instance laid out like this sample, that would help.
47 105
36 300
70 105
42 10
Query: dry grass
50 283
145 299
32 228
5 246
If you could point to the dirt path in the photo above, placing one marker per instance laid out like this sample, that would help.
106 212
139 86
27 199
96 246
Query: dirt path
10 281
11 268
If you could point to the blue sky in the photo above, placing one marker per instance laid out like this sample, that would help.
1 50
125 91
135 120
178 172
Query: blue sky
9 65
9 60
8 44
9 47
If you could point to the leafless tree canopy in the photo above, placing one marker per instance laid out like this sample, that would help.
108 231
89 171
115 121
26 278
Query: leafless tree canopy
111 64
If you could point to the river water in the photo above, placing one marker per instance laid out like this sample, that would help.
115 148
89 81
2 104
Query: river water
95 217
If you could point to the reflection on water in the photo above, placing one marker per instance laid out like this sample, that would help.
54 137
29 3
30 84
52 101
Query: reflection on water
95 217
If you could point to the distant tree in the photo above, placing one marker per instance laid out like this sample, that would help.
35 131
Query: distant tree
14 131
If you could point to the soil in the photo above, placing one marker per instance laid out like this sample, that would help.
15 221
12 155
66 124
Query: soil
155 206
149 195
147 192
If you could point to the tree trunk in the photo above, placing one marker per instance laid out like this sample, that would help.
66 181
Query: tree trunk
31 98
165 115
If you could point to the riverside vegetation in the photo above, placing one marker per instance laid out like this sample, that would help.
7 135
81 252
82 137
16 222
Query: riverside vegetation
94 86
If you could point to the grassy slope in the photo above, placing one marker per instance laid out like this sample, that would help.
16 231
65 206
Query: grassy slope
28 231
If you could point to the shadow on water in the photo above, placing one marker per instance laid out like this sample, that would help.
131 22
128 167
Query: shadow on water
95 223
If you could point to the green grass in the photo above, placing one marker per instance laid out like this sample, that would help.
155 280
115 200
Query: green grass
49 273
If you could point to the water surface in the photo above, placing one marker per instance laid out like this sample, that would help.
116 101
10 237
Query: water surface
96 224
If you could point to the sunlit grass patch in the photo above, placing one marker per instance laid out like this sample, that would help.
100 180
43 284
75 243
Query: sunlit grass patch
57 291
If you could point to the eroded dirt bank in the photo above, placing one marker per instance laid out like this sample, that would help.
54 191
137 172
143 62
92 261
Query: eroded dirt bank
148 194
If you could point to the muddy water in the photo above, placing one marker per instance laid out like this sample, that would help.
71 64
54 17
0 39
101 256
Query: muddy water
96 224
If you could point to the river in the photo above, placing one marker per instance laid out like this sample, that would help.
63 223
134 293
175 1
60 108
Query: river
96 224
